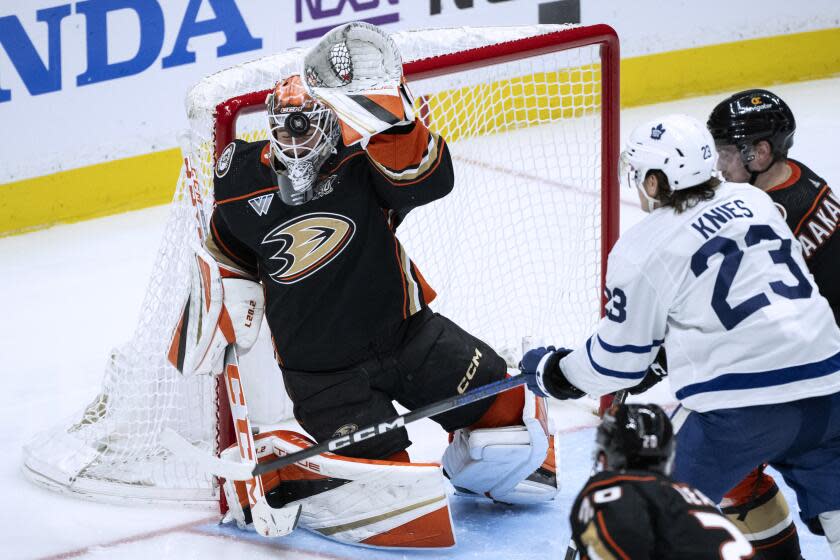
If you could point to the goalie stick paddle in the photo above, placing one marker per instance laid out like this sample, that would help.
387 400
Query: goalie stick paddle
380 428
231 470
572 551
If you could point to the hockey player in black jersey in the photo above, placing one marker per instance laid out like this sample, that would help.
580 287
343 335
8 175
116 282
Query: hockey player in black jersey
753 131
309 217
632 510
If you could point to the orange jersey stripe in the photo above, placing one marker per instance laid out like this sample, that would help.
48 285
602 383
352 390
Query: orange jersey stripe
400 151
429 294
221 245
795 174
249 195
813 207
441 144
603 529
617 478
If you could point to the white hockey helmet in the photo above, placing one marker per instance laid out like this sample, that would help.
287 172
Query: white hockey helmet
678 145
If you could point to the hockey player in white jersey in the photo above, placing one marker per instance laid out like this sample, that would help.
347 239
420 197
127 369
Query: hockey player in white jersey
715 274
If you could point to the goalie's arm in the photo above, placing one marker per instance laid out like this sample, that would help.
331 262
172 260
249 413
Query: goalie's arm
225 291
231 254
410 166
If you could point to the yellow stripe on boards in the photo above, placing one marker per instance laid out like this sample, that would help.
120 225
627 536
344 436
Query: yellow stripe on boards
729 67
89 192
147 180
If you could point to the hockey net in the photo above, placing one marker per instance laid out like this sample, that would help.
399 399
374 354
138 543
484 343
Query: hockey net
518 248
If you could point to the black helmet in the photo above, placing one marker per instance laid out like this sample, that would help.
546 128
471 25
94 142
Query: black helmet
750 116
636 436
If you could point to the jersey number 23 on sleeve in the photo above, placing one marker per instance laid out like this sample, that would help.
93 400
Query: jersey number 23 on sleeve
730 316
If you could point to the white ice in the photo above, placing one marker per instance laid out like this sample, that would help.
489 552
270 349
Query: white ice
71 292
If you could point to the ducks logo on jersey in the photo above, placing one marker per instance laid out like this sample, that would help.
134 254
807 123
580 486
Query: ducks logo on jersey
307 244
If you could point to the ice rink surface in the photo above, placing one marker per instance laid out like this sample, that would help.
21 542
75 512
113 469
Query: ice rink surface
71 292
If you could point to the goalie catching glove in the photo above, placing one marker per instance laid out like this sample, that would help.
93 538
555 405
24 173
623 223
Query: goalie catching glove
224 307
356 70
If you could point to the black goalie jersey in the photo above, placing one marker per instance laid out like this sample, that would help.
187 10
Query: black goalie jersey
334 274
642 515
812 211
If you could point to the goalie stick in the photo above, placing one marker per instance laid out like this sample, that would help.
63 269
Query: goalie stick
244 471
268 521
572 551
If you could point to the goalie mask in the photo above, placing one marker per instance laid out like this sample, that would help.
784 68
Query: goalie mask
303 135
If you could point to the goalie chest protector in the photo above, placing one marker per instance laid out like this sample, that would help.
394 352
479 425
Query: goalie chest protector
334 273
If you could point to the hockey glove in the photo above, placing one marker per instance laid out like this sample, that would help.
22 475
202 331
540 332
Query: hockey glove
356 70
656 372
541 366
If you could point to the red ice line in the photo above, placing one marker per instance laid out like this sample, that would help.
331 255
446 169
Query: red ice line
191 527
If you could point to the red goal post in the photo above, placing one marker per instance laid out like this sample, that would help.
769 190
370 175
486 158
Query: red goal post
519 248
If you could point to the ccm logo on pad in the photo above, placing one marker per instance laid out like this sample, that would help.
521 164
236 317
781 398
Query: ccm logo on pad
367 433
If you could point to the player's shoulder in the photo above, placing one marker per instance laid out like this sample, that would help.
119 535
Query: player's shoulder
614 484
804 176
242 168
343 158
644 239
756 199
662 226
648 486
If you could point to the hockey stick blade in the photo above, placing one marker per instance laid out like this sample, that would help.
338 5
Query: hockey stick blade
180 447
374 430
274 522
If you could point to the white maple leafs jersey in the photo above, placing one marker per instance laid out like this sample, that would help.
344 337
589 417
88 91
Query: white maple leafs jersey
725 288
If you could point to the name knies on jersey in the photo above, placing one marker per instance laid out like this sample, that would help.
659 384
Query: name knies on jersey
710 222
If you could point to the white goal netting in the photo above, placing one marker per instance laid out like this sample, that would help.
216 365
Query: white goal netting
515 250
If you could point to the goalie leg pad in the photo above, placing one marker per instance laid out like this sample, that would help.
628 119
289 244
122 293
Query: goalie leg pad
354 501
511 464
759 510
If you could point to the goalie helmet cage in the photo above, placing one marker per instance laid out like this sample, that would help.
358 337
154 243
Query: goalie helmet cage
519 247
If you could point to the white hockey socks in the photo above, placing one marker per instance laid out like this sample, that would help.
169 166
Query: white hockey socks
354 501
830 522
512 464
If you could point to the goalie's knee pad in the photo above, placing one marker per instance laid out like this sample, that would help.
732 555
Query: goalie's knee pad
759 510
512 464
354 501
